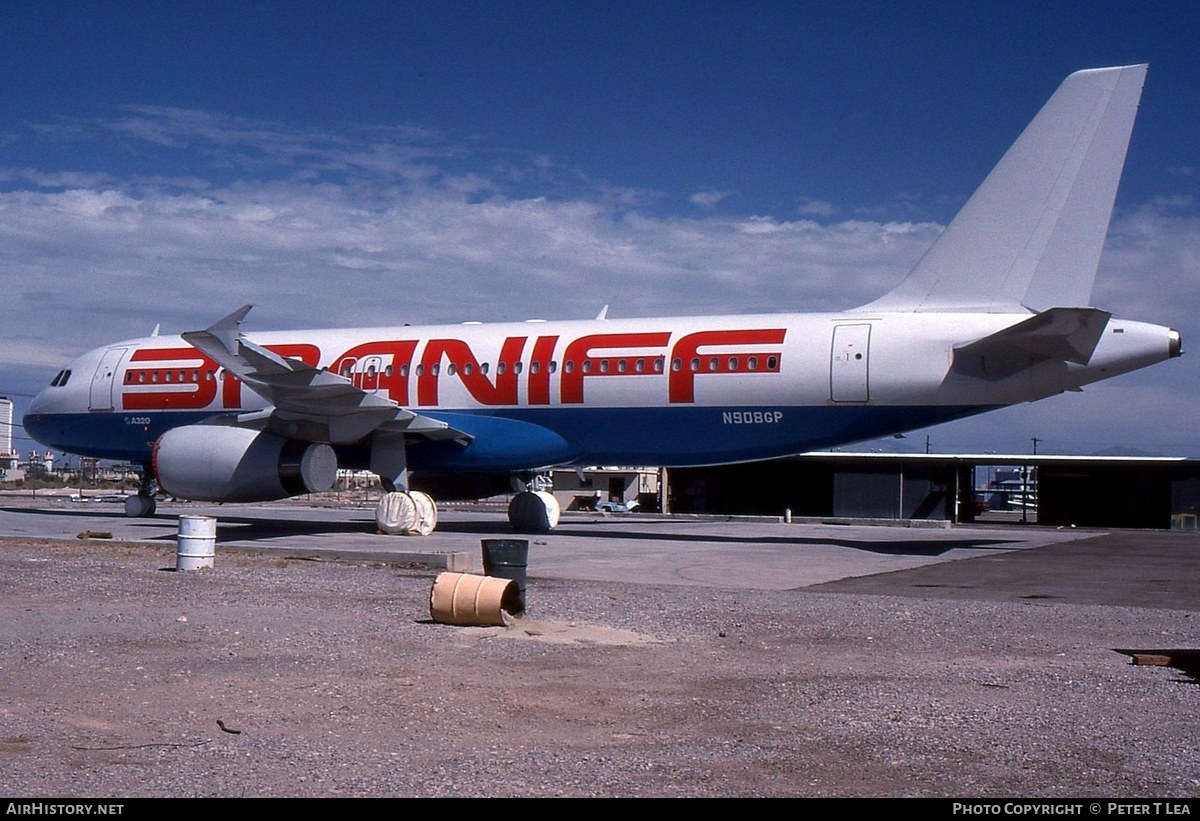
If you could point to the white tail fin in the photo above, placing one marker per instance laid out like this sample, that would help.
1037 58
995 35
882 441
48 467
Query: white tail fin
1030 237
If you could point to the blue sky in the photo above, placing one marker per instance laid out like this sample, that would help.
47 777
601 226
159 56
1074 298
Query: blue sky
386 162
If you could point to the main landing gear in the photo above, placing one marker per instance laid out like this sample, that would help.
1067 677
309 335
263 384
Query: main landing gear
142 506
406 512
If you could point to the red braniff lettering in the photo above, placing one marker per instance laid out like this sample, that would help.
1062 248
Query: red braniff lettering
723 353
185 379
168 379
540 369
358 366
462 363
579 363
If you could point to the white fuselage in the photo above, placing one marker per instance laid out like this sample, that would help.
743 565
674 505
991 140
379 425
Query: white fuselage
671 391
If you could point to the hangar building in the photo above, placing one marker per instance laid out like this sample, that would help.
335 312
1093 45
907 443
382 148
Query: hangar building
1087 491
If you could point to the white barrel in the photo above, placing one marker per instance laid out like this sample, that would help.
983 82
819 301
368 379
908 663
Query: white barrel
197 542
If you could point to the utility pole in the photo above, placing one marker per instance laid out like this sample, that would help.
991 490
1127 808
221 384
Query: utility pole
1024 494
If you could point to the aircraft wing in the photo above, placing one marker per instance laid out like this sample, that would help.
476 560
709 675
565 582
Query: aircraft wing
309 403
1064 334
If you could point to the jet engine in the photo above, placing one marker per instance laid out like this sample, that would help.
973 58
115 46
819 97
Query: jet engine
213 463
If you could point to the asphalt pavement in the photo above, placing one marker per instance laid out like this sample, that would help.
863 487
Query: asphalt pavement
1134 568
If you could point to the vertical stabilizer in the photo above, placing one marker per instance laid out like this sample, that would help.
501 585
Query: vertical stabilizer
1030 237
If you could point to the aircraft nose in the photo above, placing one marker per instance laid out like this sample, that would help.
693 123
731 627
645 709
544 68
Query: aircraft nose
35 416
37 405
1174 344
34 424
39 417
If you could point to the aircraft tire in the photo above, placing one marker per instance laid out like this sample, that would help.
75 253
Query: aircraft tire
427 514
406 514
534 512
139 506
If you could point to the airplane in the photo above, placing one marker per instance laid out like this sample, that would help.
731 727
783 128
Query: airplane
996 312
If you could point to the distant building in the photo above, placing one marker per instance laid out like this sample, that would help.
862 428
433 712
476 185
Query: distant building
605 487
8 457
1046 489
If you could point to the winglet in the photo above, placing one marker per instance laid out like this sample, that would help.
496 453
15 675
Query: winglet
1030 236
227 330
223 341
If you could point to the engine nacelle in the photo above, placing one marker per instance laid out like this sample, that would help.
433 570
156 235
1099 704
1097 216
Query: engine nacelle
212 463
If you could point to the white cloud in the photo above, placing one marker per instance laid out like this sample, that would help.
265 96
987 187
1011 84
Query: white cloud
59 179
708 199
816 208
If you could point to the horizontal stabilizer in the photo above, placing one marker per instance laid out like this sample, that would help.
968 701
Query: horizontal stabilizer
1063 334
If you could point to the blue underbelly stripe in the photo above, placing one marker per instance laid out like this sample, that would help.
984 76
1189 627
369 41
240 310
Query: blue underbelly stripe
679 437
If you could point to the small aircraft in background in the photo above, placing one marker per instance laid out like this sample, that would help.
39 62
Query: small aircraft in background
997 312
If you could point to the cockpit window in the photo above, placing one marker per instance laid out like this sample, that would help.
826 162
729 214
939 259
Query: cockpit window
61 379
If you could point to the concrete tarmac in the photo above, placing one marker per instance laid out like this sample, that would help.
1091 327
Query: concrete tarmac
1130 568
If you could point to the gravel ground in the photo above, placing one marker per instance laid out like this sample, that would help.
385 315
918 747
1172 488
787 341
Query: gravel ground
330 680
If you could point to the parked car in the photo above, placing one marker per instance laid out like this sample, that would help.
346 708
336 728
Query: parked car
616 507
